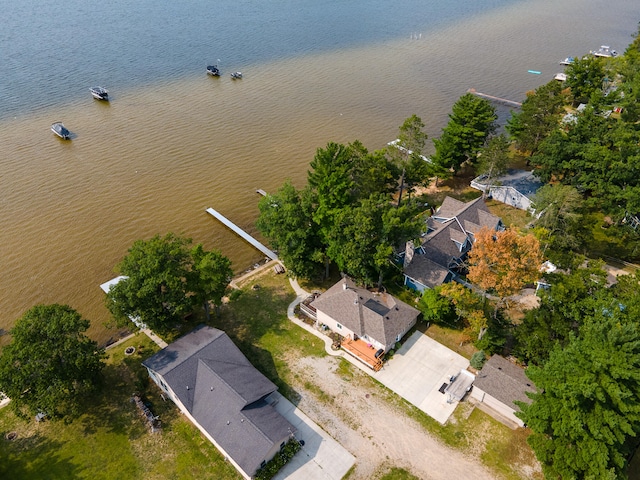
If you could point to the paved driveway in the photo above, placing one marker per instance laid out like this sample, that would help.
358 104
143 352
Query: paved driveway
321 457
418 370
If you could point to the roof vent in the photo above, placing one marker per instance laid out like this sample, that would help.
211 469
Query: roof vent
187 387
228 422
212 389
397 309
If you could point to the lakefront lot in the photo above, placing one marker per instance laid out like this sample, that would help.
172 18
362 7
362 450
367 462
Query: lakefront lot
389 437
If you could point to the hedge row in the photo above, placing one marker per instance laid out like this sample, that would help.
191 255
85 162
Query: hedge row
281 458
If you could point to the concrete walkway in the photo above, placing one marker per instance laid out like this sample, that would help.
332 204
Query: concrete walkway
321 457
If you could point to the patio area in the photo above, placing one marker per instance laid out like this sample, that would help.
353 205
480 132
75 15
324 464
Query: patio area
363 352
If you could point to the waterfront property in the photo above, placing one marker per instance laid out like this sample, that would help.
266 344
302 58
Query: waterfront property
446 243
216 387
515 188
370 322
498 385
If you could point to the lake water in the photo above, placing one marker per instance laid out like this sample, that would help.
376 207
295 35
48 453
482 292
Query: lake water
174 141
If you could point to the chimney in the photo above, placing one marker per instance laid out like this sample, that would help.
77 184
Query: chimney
408 253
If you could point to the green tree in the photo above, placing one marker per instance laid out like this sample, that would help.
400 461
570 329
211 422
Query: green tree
471 122
558 207
214 274
160 284
436 308
50 366
538 117
494 157
587 408
571 297
406 153
585 76
286 220
367 234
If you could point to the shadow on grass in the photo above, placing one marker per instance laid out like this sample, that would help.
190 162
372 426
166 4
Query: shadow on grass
34 457
111 409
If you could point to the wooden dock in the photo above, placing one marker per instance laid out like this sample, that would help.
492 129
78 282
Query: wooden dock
243 234
505 101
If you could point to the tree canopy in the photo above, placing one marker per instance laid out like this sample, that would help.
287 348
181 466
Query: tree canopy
50 366
344 214
587 409
504 261
165 279
471 122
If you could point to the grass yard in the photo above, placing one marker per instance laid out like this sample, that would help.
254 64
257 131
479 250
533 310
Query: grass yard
112 440
256 320
511 216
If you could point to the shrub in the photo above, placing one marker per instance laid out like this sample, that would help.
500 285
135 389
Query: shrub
281 458
477 360
234 294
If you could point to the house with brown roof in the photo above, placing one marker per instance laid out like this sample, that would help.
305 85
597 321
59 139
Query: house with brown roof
377 320
449 237
218 389
499 385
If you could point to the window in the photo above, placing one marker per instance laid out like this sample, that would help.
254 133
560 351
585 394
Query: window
282 445
339 326
263 463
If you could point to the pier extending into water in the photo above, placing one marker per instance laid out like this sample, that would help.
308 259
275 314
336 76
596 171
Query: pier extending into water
508 102
243 234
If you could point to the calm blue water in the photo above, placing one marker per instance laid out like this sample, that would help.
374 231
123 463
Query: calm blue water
51 52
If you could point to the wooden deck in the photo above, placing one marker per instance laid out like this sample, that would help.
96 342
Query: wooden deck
363 352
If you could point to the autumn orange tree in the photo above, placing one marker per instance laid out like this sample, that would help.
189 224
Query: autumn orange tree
504 261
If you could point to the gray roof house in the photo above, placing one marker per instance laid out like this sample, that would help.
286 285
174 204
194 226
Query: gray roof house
448 239
498 385
218 389
378 319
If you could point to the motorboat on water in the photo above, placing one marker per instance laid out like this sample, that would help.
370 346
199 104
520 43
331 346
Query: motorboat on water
213 70
605 51
236 75
99 93
561 77
59 129
567 61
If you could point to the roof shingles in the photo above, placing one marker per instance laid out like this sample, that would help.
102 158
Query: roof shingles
224 393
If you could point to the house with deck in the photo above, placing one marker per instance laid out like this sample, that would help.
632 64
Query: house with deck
498 385
216 387
370 322
444 247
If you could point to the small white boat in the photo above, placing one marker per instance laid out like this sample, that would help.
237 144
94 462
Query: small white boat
561 77
236 75
99 93
213 70
59 129
567 61
605 51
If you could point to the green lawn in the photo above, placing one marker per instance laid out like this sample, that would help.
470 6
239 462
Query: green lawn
111 440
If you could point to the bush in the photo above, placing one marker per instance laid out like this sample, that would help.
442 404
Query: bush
477 360
281 458
234 294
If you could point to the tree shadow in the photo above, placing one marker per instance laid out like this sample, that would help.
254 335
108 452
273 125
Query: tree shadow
111 410
34 457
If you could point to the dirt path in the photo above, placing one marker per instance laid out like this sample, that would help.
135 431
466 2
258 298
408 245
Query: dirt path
375 432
